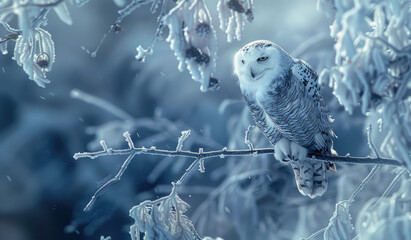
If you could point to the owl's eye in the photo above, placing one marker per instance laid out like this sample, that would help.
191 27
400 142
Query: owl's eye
262 59
242 61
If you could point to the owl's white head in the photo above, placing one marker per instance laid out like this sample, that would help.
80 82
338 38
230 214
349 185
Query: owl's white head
259 62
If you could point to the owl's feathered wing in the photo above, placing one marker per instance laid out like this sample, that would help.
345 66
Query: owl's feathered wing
296 112
311 176
303 74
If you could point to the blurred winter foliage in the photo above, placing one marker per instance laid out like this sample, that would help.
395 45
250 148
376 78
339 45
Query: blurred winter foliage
387 217
191 34
365 60
372 66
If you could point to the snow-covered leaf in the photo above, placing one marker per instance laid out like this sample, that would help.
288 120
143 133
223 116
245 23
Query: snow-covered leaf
340 227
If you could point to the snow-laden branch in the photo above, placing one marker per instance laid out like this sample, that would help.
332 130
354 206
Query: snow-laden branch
230 153
200 156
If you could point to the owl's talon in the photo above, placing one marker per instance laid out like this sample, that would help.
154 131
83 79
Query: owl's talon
290 151
297 151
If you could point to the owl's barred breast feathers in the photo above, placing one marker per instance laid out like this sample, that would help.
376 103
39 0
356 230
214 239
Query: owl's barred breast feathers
285 100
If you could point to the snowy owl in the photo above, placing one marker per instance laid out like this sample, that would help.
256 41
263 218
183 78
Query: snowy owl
285 101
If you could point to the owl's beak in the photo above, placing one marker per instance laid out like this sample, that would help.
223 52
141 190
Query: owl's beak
252 73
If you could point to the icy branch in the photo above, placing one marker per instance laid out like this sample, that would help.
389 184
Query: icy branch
233 153
109 183
373 170
200 156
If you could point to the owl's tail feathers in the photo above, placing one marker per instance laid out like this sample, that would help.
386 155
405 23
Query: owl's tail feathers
310 177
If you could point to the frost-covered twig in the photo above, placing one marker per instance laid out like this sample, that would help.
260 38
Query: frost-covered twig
233 153
122 13
200 156
391 186
109 183
373 170
184 136
364 182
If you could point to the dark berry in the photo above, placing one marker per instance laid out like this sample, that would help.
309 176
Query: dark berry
43 60
214 84
198 55
192 52
235 5
249 14
202 58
